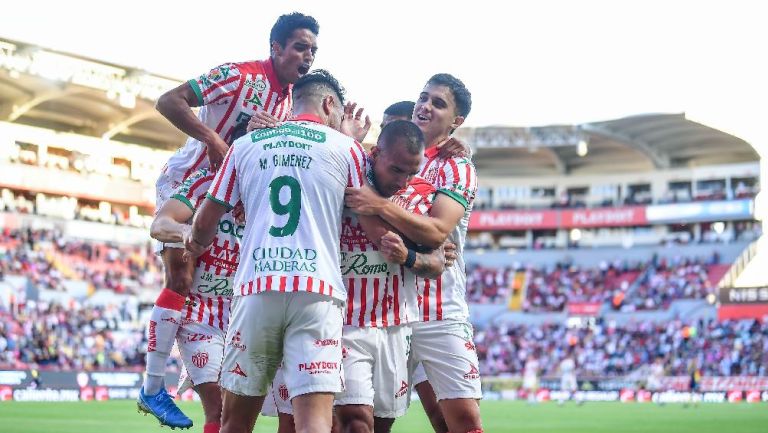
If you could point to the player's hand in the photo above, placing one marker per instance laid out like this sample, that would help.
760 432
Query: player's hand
262 120
449 250
393 249
238 213
192 249
352 123
453 147
364 200
217 149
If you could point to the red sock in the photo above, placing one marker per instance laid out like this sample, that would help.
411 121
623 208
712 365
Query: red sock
211 427
170 300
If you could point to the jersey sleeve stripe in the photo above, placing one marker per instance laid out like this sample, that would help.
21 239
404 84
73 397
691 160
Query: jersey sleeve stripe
184 200
196 88
456 196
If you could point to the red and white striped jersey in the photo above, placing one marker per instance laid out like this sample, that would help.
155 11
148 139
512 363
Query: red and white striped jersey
444 298
380 294
211 292
229 95
208 310
291 180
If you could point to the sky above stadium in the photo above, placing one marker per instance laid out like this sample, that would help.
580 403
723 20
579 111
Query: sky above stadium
526 63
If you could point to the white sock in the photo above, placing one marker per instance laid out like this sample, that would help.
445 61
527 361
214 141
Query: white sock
163 325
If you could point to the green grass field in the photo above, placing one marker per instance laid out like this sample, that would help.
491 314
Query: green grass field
498 417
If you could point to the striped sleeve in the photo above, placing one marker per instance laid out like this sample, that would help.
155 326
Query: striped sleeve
224 188
193 188
458 180
418 196
219 82
357 166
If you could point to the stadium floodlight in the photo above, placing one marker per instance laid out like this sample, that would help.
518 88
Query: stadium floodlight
718 227
582 148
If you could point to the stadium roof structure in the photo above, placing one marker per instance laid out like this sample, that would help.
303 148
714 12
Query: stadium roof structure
71 93
639 143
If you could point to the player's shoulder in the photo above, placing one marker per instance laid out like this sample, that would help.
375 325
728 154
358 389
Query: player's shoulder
421 185
250 66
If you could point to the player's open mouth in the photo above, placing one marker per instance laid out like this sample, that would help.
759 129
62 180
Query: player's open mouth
422 118
303 69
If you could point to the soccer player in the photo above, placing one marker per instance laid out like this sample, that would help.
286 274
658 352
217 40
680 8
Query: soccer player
288 287
442 340
206 314
568 377
655 375
228 95
381 293
531 378
402 110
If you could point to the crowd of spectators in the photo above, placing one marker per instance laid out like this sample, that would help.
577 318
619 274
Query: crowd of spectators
729 348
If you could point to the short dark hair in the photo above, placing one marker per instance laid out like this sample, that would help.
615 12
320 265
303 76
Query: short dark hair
404 130
402 108
460 92
286 24
315 81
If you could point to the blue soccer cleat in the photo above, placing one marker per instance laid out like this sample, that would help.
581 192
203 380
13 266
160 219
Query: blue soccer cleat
162 407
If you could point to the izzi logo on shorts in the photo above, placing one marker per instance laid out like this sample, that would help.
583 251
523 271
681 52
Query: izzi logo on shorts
319 367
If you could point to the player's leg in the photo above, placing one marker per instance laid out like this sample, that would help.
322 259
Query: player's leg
313 412
202 350
354 405
251 357
448 355
429 404
164 322
239 412
312 359
210 397
166 317
390 376
285 423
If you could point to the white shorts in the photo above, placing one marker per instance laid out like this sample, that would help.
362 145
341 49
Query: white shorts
277 399
303 330
164 189
201 346
376 369
568 382
419 375
446 351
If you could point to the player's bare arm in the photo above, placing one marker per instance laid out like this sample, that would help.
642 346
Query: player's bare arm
176 106
424 264
430 231
204 227
170 223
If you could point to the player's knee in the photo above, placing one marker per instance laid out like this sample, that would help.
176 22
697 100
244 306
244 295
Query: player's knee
356 425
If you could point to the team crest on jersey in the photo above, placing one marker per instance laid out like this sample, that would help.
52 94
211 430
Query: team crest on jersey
199 359
259 84
218 73
283 392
